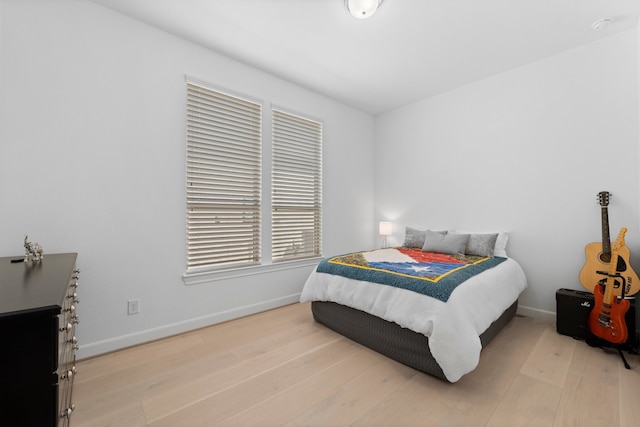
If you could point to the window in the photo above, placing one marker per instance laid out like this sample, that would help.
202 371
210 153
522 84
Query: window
224 185
223 179
296 187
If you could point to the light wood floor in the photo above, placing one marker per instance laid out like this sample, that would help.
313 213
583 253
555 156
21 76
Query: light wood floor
280 368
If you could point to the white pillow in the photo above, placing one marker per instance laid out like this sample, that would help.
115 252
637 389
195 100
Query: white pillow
501 242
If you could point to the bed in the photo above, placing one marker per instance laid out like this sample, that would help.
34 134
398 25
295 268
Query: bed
432 303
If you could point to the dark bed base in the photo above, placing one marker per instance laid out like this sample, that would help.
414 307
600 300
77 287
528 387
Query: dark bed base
388 338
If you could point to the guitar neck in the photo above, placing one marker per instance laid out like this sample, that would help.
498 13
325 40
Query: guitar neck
606 238
611 278
610 283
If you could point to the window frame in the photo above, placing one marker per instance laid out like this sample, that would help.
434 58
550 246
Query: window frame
223 138
265 264
296 185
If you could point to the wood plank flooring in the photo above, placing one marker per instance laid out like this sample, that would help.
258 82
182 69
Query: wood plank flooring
280 368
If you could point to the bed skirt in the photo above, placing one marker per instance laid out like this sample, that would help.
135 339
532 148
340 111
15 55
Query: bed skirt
390 339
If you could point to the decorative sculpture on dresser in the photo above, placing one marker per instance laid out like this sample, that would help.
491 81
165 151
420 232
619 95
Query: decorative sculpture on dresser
33 251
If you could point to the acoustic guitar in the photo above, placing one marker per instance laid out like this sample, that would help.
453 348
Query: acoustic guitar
598 256
606 319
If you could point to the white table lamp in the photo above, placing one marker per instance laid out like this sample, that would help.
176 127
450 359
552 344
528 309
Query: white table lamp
385 229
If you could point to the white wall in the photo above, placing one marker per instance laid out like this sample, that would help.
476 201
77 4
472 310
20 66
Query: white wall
92 160
526 152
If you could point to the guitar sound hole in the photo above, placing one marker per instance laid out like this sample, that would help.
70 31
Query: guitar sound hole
606 258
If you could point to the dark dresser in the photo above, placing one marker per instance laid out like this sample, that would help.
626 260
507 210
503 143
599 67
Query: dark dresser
38 317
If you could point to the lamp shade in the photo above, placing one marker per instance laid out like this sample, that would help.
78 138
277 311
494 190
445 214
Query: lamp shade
362 9
385 228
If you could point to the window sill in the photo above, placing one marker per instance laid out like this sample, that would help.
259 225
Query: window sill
196 278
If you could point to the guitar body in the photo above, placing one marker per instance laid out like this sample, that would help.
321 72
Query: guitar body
606 321
599 256
589 276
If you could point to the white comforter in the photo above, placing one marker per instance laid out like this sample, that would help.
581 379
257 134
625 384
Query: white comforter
453 327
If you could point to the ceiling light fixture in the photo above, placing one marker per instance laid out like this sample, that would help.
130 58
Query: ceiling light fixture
362 9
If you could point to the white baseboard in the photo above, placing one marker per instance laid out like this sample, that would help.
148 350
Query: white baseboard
118 343
543 315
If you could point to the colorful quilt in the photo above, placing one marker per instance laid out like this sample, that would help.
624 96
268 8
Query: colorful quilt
428 273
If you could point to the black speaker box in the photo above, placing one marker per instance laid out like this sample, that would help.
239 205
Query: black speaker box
572 316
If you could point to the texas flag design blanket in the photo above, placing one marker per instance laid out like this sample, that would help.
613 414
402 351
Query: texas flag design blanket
434 274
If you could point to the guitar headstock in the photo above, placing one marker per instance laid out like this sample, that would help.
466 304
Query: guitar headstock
619 243
603 198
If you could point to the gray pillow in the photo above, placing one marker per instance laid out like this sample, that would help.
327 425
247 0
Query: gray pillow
414 238
451 244
481 244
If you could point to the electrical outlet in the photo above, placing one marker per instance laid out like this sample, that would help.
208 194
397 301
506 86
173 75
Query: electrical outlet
133 306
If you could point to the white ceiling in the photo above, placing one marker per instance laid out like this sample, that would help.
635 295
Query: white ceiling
409 50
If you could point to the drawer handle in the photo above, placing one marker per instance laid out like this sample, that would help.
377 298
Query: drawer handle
74 297
68 375
66 413
74 344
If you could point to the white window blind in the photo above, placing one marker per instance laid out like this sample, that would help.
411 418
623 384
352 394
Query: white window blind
296 187
223 179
